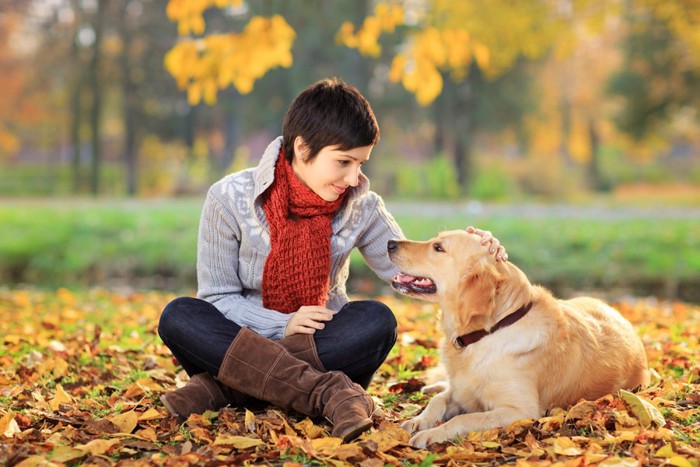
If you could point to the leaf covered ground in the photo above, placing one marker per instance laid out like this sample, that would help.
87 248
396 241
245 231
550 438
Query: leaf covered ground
81 374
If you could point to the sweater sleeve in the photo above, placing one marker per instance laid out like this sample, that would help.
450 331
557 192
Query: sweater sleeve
372 244
217 272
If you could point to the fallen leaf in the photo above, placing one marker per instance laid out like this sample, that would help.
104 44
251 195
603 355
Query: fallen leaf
126 421
310 430
249 421
60 397
60 367
8 425
237 442
150 414
98 447
66 454
564 446
645 412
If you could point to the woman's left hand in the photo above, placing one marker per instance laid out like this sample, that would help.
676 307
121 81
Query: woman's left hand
488 238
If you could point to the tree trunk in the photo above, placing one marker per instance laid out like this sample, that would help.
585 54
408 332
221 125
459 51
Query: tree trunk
595 181
464 128
129 102
96 111
75 102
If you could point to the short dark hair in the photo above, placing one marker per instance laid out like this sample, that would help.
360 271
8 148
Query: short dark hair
329 112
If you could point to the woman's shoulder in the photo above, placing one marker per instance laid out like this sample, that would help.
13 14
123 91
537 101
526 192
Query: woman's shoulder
234 185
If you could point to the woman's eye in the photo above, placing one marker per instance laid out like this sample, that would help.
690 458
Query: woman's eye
438 247
344 163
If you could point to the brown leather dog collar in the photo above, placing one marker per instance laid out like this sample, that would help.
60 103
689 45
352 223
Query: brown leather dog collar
464 340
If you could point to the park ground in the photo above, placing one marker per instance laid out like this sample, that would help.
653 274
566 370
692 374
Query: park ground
81 373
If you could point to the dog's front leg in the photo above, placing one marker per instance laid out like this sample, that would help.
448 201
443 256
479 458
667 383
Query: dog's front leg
437 410
465 423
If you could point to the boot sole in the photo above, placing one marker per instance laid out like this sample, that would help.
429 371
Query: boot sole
168 406
356 430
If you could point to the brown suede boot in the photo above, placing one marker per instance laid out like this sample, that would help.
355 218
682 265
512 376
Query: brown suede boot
264 369
201 393
303 347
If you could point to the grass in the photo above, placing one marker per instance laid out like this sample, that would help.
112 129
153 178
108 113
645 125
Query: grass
152 244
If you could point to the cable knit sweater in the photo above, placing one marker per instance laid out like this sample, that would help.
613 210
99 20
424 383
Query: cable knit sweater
234 242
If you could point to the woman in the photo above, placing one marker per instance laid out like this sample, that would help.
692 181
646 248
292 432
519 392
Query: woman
272 319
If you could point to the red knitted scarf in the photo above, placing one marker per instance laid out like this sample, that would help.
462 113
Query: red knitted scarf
297 270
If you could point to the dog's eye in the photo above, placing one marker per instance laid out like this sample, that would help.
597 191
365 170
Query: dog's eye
438 247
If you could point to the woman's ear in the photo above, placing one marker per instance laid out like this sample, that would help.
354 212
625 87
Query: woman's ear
300 149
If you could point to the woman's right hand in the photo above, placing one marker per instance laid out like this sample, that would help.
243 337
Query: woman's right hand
307 320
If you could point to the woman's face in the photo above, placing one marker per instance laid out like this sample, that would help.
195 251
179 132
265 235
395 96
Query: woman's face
332 171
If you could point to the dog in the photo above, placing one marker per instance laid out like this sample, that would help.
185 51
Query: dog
511 350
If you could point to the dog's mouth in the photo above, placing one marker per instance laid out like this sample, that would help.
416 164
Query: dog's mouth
406 283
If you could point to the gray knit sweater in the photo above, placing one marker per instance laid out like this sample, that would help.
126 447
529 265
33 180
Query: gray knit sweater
234 242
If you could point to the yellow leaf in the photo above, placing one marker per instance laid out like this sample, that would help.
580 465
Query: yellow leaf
33 461
581 411
237 442
665 451
645 412
388 436
620 462
60 367
679 461
66 454
326 446
310 430
12 339
150 414
61 397
126 421
564 446
147 433
490 444
8 425
249 421
98 447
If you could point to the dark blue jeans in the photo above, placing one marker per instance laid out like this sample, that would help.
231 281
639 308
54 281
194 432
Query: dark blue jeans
356 341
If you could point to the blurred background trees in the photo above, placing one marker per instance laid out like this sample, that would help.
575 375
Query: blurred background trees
486 99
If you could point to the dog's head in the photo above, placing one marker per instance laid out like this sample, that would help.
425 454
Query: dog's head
457 271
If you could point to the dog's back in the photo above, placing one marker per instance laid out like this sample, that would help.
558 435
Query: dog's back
598 352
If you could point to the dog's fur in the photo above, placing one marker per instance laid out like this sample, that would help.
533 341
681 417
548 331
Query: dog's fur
561 351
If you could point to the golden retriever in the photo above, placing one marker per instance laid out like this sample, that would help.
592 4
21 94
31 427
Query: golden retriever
511 350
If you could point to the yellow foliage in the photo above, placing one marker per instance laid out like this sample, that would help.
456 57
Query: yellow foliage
203 66
366 40
188 13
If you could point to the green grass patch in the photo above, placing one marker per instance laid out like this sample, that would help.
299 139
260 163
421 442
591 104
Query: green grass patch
152 244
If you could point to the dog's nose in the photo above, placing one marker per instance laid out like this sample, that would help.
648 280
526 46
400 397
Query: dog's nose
392 245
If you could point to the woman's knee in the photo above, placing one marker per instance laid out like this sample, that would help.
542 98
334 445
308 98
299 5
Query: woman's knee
381 316
174 317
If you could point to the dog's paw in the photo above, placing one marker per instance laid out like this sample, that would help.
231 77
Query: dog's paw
423 439
415 424
435 388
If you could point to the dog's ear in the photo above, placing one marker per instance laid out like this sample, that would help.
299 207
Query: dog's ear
478 294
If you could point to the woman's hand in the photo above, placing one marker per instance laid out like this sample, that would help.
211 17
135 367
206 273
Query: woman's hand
494 247
307 320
